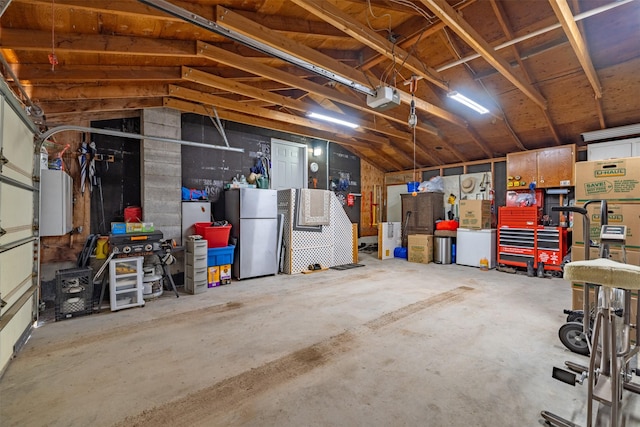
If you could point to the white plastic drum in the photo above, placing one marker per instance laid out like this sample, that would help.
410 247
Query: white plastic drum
151 286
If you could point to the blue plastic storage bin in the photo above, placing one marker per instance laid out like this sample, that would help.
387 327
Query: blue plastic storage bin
220 256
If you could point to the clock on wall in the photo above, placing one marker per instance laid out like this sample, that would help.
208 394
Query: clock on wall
314 167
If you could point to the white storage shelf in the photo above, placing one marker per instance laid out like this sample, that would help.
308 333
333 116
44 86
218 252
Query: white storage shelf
125 283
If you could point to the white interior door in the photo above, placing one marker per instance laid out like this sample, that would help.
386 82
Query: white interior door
394 202
288 165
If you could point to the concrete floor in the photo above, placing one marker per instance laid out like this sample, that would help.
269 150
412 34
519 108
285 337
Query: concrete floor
389 344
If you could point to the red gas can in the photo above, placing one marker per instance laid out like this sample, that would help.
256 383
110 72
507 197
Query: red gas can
133 214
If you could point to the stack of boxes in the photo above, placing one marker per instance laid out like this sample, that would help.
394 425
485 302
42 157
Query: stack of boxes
618 182
219 252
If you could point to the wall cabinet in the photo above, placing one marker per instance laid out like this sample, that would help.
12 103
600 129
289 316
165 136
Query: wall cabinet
125 283
548 168
56 209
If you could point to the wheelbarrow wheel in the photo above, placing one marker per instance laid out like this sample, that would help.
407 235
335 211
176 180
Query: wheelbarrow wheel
573 338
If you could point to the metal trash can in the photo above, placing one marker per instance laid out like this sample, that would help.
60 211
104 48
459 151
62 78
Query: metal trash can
442 250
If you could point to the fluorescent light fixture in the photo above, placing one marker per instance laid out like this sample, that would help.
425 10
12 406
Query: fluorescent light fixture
467 102
332 120
611 133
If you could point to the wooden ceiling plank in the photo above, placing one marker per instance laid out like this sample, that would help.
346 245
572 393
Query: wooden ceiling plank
500 13
71 92
470 36
53 108
368 37
120 7
20 39
193 75
41 73
217 54
193 95
568 23
233 21
373 59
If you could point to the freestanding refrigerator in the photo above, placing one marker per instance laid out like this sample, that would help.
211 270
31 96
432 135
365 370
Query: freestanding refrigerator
253 215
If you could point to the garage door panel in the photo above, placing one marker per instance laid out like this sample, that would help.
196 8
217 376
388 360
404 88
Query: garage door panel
15 273
18 245
12 330
17 148
16 213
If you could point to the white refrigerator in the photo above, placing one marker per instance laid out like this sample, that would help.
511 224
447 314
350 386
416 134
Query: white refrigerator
253 215
473 245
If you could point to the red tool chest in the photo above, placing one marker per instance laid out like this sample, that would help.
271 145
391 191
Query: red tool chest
521 239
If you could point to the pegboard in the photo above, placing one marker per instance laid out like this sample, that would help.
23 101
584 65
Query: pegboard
333 246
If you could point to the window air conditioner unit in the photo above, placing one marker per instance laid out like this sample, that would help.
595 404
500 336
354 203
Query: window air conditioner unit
385 97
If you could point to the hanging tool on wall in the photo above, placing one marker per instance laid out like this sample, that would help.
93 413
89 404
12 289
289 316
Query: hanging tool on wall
452 201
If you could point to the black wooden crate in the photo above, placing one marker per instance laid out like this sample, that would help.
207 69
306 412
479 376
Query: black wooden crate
74 293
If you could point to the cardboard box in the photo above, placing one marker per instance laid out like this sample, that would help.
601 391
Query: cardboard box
420 248
615 179
577 291
213 276
118 228
225 274
619 214
577 301
633 257
134 227
475 214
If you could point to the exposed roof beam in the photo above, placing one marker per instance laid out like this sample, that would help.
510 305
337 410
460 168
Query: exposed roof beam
18 39
233 21
41 73
500 13
103 91
368 37
244 107
200 77
53 108
466 32
222 56
562 11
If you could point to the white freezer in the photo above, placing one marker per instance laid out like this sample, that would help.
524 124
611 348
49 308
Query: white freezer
473 245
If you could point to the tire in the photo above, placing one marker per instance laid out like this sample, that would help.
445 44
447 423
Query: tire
573 338
575 316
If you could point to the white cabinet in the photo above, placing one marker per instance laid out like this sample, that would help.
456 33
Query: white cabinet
56 212
473 245
196 266
614 149
125 283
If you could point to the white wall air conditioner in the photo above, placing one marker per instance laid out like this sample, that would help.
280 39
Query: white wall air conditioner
386 97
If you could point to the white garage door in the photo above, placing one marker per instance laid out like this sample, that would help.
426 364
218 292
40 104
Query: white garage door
18 241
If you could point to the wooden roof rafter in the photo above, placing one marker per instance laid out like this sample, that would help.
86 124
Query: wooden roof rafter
470 36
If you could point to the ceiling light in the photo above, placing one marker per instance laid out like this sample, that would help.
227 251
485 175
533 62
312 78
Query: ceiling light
467 102
611 133
332 120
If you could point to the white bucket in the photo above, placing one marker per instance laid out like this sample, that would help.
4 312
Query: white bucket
151 286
